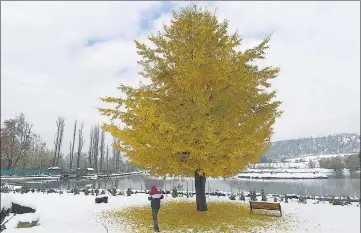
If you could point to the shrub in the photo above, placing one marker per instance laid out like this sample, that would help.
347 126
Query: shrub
102 192
302 200
275 199
76 190
281 197
32 190
286 199
263 195
96 192
348 200
86 192
232 197
121 193
114 192
24 188
253 195
241 197
50 191
175 192
332 199
61 192
129 192
5 189
338 202
27 224
101 200
92 192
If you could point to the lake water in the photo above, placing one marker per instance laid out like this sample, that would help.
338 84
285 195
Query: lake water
334 185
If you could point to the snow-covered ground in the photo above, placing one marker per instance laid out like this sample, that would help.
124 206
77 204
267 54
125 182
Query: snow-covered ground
79 214
295 170
269 175
279 165
316 157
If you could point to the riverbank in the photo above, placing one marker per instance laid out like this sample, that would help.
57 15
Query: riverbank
78 214
46 177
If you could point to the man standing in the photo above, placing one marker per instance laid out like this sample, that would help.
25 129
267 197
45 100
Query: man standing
155 196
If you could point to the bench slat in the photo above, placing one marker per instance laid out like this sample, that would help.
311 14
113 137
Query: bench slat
265 205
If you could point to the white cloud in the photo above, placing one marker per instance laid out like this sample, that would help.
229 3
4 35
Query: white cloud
48 71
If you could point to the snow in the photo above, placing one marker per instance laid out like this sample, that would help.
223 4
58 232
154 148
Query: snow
79 213
5 202
54 168
280 165
295 170
7 199
317 157
269 175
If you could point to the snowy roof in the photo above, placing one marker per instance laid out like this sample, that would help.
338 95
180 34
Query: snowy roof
90 169
54 168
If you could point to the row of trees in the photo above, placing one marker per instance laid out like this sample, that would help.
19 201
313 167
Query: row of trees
351 162
22 148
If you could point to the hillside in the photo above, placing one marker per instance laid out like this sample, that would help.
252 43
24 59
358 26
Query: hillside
333 144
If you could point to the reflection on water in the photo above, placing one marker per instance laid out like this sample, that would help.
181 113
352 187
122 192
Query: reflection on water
336 185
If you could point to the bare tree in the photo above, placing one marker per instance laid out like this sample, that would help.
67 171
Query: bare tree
96 132
60 124
72 147
80 145
90 152
107 158
115 157
16 140
101 148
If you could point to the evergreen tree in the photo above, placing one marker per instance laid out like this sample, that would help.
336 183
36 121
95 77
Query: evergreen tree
129 192
253 195
174 192
263 195
242 198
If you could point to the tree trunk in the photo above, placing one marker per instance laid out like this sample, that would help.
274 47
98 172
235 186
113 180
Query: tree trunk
10 164
70 158
200 186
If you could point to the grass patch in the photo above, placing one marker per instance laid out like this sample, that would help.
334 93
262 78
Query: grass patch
27 224
176 216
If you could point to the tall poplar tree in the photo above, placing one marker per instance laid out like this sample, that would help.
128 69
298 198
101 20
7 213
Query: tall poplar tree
207 112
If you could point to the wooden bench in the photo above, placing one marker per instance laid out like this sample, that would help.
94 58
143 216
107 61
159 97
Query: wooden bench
265 206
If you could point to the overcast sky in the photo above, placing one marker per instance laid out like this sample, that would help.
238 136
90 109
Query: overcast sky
58 58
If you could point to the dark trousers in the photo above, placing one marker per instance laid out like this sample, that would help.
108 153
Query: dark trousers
155 218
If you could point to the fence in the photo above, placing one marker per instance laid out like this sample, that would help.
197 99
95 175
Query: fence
25 172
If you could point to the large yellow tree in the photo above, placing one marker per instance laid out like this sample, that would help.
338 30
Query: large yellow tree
207 112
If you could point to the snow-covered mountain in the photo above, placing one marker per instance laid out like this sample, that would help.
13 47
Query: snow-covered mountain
333 144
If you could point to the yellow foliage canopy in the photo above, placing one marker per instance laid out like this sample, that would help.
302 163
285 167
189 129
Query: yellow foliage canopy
207 107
